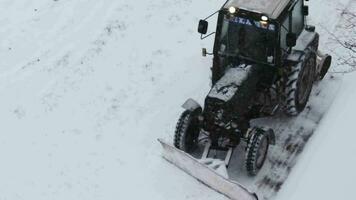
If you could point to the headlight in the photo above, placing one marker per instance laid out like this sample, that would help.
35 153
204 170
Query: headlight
232 10
264 18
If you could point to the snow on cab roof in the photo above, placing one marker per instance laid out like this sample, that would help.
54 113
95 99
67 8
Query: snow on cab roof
272 8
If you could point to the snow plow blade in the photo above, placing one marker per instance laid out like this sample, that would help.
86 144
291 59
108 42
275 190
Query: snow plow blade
204 174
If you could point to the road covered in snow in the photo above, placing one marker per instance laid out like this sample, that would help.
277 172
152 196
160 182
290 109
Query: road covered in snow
327 168
87 87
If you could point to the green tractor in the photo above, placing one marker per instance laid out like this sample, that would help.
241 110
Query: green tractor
265 61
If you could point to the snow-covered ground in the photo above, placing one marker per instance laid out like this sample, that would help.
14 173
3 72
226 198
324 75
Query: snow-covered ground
327 168
87 87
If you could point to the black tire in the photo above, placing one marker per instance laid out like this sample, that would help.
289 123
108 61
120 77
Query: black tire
187 131
299 84
256 152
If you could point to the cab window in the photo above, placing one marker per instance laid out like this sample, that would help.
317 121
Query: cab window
298 18
284 31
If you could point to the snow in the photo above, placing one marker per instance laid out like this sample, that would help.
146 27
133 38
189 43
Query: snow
326 171
88 86
86 89
327 168
304 39
227 86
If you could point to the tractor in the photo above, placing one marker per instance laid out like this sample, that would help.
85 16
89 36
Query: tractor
265 61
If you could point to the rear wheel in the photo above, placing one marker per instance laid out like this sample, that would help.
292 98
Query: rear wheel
299 84
187 131
256 152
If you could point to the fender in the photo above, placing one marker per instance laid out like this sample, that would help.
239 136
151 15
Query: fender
191 105
307 42
269 133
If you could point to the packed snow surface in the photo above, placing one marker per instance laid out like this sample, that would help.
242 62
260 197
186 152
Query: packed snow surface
88 86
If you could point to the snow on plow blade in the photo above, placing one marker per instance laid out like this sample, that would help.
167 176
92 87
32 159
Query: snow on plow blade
204 174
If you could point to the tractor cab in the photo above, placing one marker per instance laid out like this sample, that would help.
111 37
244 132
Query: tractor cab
247 38
263 32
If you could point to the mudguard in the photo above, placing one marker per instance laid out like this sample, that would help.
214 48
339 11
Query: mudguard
191 105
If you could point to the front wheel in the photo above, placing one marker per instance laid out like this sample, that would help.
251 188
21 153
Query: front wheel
256 152
187 131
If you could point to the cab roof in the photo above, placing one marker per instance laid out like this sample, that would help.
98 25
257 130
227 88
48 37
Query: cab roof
272 8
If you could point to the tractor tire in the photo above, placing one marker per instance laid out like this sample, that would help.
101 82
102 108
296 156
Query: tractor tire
187 131
299 84
256 152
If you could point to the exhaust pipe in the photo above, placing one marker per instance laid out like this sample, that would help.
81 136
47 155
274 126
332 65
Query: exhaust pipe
323 64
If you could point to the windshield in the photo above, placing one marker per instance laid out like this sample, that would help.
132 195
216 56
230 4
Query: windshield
248 39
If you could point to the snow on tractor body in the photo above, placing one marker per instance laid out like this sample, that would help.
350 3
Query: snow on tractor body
265 61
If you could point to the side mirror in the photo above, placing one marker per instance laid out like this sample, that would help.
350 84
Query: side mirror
203 27
204 52
310 28
305 10
291 39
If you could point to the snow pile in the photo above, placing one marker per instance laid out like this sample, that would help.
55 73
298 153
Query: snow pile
227 86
